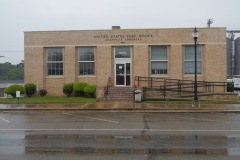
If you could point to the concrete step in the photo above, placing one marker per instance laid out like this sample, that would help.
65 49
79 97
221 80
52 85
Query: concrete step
120 93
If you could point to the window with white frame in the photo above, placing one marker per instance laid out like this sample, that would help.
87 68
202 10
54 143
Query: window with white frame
86 61
189 61
159 60
54 57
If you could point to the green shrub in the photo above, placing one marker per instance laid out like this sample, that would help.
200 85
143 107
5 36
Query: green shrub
90 90
30 89
13 88
42 92
79 88
230 87
68 89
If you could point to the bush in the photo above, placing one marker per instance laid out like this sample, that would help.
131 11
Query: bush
42 92
68 89
79 88
30 89
13 88
90 90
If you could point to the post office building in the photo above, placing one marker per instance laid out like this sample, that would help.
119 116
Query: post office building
115 57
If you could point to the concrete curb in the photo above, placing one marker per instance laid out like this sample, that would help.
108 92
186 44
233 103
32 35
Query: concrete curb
127 110
122 107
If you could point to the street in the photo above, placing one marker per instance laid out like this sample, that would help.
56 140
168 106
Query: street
118 135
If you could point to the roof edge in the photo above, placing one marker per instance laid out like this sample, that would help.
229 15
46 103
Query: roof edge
128 29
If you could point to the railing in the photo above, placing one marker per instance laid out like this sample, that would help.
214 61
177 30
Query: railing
179 87
107 87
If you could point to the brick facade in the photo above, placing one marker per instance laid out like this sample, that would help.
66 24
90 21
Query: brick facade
213 41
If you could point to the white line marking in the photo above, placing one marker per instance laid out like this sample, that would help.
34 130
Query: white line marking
84 105
200 119
116 105
91 118
3 119
153 130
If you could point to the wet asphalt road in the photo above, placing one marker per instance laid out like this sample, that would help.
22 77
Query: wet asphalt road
112 135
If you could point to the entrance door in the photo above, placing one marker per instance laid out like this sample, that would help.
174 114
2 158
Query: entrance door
123 74
122 61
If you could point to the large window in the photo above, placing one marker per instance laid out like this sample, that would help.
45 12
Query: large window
189 62
86 60
159 60
54 61
123 52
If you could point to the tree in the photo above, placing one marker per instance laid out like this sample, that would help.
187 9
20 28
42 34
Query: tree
10 71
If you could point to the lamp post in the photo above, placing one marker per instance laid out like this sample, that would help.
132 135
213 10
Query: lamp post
195 37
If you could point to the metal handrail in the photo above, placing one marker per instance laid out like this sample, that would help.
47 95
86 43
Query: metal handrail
107 87
177 85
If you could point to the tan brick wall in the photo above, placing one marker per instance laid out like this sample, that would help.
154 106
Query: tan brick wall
175 61
90 80
215 62
34 66
227 96
140 62
54 86
104 63
70 60
213 41
169 94
98 37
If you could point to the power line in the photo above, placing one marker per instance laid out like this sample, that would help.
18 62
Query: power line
12 58
11 51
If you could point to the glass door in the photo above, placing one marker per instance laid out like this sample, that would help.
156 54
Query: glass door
120 74
122 60
123 74
128 74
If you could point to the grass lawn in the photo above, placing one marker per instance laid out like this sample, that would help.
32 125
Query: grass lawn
46 99
49 99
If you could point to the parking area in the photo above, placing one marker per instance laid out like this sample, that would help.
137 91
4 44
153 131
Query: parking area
114 135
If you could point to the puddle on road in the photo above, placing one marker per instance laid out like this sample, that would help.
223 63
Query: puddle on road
121 144
134 144
156 138
171 151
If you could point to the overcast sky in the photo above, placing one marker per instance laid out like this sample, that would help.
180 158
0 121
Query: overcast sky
18 16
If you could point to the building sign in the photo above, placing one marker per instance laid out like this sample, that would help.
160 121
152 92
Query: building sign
122 37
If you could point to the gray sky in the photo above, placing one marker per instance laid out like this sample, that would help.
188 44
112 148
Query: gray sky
18 16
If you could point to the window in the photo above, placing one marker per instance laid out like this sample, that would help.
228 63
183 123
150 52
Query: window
86 60
159 60
54 61
189 67
123 52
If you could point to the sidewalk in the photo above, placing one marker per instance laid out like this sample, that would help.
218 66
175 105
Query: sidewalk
122 107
